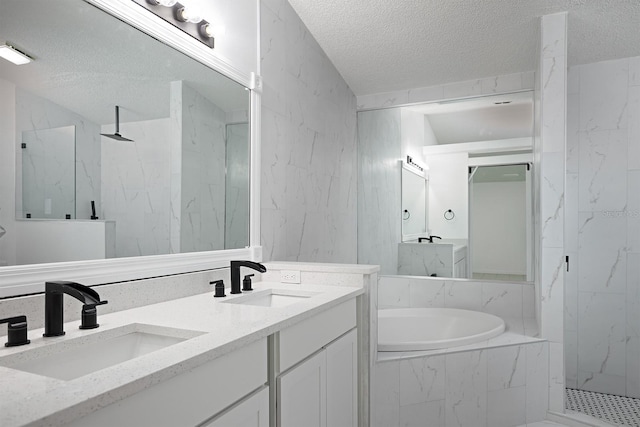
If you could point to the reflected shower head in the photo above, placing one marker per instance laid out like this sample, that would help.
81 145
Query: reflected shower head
117 135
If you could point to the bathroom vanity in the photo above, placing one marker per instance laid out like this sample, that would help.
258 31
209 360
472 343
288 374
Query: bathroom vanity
193 361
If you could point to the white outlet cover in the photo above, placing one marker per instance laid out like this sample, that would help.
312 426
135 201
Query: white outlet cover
289 276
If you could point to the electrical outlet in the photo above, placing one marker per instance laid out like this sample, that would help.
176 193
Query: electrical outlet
289 276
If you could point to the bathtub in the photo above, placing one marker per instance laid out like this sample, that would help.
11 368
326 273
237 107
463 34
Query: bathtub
407 329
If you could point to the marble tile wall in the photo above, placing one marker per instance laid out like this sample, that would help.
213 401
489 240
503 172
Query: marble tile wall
511 300
549 147
308 185
236 203
202 205
496 387
415 259
602 309
135 187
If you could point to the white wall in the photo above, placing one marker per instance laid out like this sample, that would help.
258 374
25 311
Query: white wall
602 232
449 189
308 194
498 221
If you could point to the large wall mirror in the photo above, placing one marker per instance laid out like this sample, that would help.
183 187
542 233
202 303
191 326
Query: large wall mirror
175 180
465 179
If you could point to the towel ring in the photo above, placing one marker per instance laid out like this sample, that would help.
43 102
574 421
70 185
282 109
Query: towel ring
449 215
405 214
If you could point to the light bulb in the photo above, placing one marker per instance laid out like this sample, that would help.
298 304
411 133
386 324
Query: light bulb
206 30
189 15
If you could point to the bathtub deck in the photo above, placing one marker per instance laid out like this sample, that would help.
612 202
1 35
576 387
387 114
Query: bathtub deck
518 331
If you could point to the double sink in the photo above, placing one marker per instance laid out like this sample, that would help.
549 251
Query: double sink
73 358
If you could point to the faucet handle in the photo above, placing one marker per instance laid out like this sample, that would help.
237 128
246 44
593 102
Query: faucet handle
17 331
90 315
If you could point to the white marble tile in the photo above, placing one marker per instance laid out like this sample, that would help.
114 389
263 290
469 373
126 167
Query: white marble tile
506 367
426 293
422 380
552 200
466 394
602 252
426 94
554 110
556 376
386 394
537 385
571 358
633 211
601 383
466 295
602 336
633 128
632 372
502 299
603 165
573 82
552 294
462 89
573 134
528 302
501 84
571 215
506 407
393 292
554 33
603 95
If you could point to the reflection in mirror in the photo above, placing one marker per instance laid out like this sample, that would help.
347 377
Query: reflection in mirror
450 138
415 198
181 185
48 173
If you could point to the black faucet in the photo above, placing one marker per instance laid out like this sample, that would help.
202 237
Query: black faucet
235 273
429 239
54 309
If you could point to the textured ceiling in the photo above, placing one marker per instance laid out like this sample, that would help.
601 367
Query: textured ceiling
88 61
385 45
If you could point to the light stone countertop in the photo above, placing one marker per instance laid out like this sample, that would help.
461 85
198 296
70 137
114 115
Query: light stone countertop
34 400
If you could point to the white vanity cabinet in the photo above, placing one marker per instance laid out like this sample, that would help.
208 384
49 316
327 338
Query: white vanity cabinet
318 388
223 387
250 412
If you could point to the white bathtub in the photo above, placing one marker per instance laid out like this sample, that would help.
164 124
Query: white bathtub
407 329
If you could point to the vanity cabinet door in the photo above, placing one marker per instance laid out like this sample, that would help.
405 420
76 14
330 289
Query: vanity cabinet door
323 390
302 394
251 412
342 381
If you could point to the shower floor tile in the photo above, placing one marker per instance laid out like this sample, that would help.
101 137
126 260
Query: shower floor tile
620 410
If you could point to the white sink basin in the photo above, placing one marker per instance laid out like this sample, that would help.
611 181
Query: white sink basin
74 358
273 297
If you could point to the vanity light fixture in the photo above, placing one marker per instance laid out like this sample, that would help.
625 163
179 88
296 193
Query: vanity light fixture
183 16
12 54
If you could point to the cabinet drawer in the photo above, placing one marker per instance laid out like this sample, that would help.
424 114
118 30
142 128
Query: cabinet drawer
306 337
192 397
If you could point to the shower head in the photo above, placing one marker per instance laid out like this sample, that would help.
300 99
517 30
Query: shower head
117 135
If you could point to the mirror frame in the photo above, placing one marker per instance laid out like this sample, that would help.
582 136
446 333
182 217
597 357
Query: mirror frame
29 279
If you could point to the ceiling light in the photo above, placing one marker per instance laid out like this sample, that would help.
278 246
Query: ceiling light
11 54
